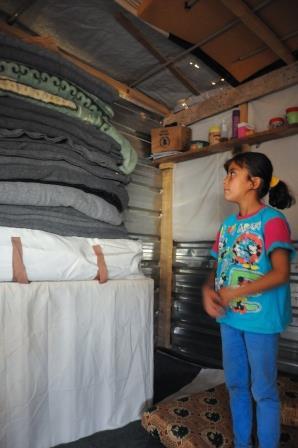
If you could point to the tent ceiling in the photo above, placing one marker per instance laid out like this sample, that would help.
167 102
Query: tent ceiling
92 31
238 48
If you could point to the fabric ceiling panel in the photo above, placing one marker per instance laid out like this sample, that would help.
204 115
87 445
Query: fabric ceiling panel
231 47
237 42
281 15
205 18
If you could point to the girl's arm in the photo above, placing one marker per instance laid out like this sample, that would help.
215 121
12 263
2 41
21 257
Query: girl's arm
211 299
279 274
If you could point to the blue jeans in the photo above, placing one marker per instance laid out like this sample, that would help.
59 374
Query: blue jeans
250 366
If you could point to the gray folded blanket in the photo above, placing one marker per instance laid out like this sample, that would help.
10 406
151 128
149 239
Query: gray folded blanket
44 195
59 220
24 169
20 143
16 113
130 156
36 56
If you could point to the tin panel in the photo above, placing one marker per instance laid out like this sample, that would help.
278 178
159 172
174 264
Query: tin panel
141 223
203 346
147 175
196 335
143 197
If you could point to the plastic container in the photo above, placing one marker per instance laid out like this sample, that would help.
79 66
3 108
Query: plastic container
235 122
245 129
223 130
276 122
198 144
214 135
292 115
242 128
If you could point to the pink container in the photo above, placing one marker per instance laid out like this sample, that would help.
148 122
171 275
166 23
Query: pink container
242 129
245 129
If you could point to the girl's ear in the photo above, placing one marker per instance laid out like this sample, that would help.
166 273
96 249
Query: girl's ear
256 182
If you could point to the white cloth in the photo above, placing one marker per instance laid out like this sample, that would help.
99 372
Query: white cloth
205 379
50 257
75 358
198 202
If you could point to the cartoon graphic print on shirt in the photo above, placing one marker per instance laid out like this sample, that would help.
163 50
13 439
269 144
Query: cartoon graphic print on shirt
239 277
244 254
247 250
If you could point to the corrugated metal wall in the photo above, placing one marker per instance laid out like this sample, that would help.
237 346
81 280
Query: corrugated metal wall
194 334
142 218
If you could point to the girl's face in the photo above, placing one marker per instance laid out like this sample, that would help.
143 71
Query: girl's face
237 183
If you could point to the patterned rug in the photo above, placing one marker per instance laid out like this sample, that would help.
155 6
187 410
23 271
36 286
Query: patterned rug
203 420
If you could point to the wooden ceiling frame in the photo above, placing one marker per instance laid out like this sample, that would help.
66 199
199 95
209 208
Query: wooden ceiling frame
201 43
227 99
19 11
139 36
264 47
259 28
129 94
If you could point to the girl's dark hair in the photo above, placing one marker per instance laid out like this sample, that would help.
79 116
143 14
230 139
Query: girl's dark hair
258 165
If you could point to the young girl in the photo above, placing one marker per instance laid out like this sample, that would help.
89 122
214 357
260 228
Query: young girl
249 294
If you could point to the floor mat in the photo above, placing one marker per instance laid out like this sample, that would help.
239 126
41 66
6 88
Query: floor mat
171 373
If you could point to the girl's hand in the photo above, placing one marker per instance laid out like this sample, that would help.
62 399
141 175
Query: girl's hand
226 295
212 303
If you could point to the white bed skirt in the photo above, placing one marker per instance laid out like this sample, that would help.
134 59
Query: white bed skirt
75 358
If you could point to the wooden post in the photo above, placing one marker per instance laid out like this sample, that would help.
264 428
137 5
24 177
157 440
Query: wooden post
244 117
243 112
166 257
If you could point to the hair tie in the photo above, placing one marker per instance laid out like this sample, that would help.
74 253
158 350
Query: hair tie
274 181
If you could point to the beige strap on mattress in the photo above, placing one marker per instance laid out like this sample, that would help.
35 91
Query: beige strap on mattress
102 273
19 273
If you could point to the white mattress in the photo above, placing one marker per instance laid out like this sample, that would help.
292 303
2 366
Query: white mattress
50 257
75 358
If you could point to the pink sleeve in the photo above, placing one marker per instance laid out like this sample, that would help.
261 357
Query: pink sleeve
215 244
277 234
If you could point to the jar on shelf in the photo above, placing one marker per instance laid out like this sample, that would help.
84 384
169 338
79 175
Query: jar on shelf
276 122
223 130
214 135
292 115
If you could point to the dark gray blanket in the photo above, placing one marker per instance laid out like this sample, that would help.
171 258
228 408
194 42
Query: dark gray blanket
14 49
59 172
19 114
52 195
19 143
63 221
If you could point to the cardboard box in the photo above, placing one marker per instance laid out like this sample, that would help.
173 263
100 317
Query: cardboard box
174 138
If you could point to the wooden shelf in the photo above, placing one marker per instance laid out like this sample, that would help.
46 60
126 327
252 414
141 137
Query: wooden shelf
255 139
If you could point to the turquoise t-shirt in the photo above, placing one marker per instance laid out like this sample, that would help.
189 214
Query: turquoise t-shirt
242 250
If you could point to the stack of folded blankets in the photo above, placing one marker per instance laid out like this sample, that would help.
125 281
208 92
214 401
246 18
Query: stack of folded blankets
63 167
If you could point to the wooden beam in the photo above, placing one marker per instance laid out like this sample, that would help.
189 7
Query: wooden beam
131 95
230 145
258 27
138 35
166 257
229 98
19 11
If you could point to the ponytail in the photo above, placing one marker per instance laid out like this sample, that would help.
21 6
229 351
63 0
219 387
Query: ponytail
280 196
